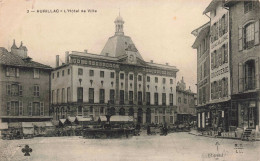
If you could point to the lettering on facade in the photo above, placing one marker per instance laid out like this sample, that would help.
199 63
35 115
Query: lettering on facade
220 72
220 41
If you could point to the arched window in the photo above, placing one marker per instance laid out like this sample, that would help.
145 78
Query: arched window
249 38
249 75
122 111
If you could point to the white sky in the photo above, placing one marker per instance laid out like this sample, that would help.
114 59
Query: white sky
160 29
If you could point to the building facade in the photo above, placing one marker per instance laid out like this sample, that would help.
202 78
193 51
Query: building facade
201 43
24 87
116 82
220 86
186 110
245 55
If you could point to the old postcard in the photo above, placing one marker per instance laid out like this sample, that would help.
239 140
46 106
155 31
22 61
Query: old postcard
129 80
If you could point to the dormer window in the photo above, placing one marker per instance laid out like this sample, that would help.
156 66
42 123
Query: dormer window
36 73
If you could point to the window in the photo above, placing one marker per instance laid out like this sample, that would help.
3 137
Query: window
101 96
249 75
148 98
140 100
131 77
102 74
139 78
164 80
52 96
171 99
30 109
112 96
204 94
36 73
62 72
58 74
164 99
68 71
249 35
122 97
14 89
148 78
80 71
36 111
171 81
131 96
63 95
179 99
112 74
36 91
205 69
164 119
91 95
156 79
80 111
20 108
80 94
155 98
68 94
248 6
12 72
58 96
122 75
91 73
156 119
171 119
101 110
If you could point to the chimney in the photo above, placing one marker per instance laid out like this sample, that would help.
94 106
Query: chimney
57 61
167 64
85 51
67 57
151 61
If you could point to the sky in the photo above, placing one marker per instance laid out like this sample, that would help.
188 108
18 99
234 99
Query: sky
160 29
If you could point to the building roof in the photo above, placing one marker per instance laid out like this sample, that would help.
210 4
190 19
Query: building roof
162 66
211 6
201 35
230 3
8 58
116 46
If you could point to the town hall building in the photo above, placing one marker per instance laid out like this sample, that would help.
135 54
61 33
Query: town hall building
118 81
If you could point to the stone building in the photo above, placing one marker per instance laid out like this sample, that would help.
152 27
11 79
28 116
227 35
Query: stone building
185 103
116 82
24 87
203 73
245 55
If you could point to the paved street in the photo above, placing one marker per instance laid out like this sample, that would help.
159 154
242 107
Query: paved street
176 146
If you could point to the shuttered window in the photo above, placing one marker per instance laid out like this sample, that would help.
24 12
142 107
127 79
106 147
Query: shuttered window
20 108
42 108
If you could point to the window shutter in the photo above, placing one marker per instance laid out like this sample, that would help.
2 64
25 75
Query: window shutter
226 53
217 59
20 108
240 38
226 86
8 89
42 108
223 53
17 72
7 71
257 32
220 56
226 22
212 61
240 77
30 109
20 90
220 28
8 107
220 88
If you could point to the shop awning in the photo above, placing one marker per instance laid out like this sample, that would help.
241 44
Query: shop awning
62 121
71 119
48 124
39 124
83 119
121 118
3 125
102 118
27 124
15 125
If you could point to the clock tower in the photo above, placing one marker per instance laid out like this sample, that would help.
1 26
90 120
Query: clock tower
131 53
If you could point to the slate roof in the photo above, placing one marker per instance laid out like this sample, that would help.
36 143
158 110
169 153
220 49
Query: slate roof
116 46
8 58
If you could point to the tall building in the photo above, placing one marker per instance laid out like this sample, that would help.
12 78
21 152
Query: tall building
116 82
24 87
186 110
245 58
201 43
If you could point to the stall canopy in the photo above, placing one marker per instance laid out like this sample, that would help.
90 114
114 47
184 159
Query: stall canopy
83 119
28 128
102 119
3 126
71 119
39 124
48 124
62 121
121 119
15 125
